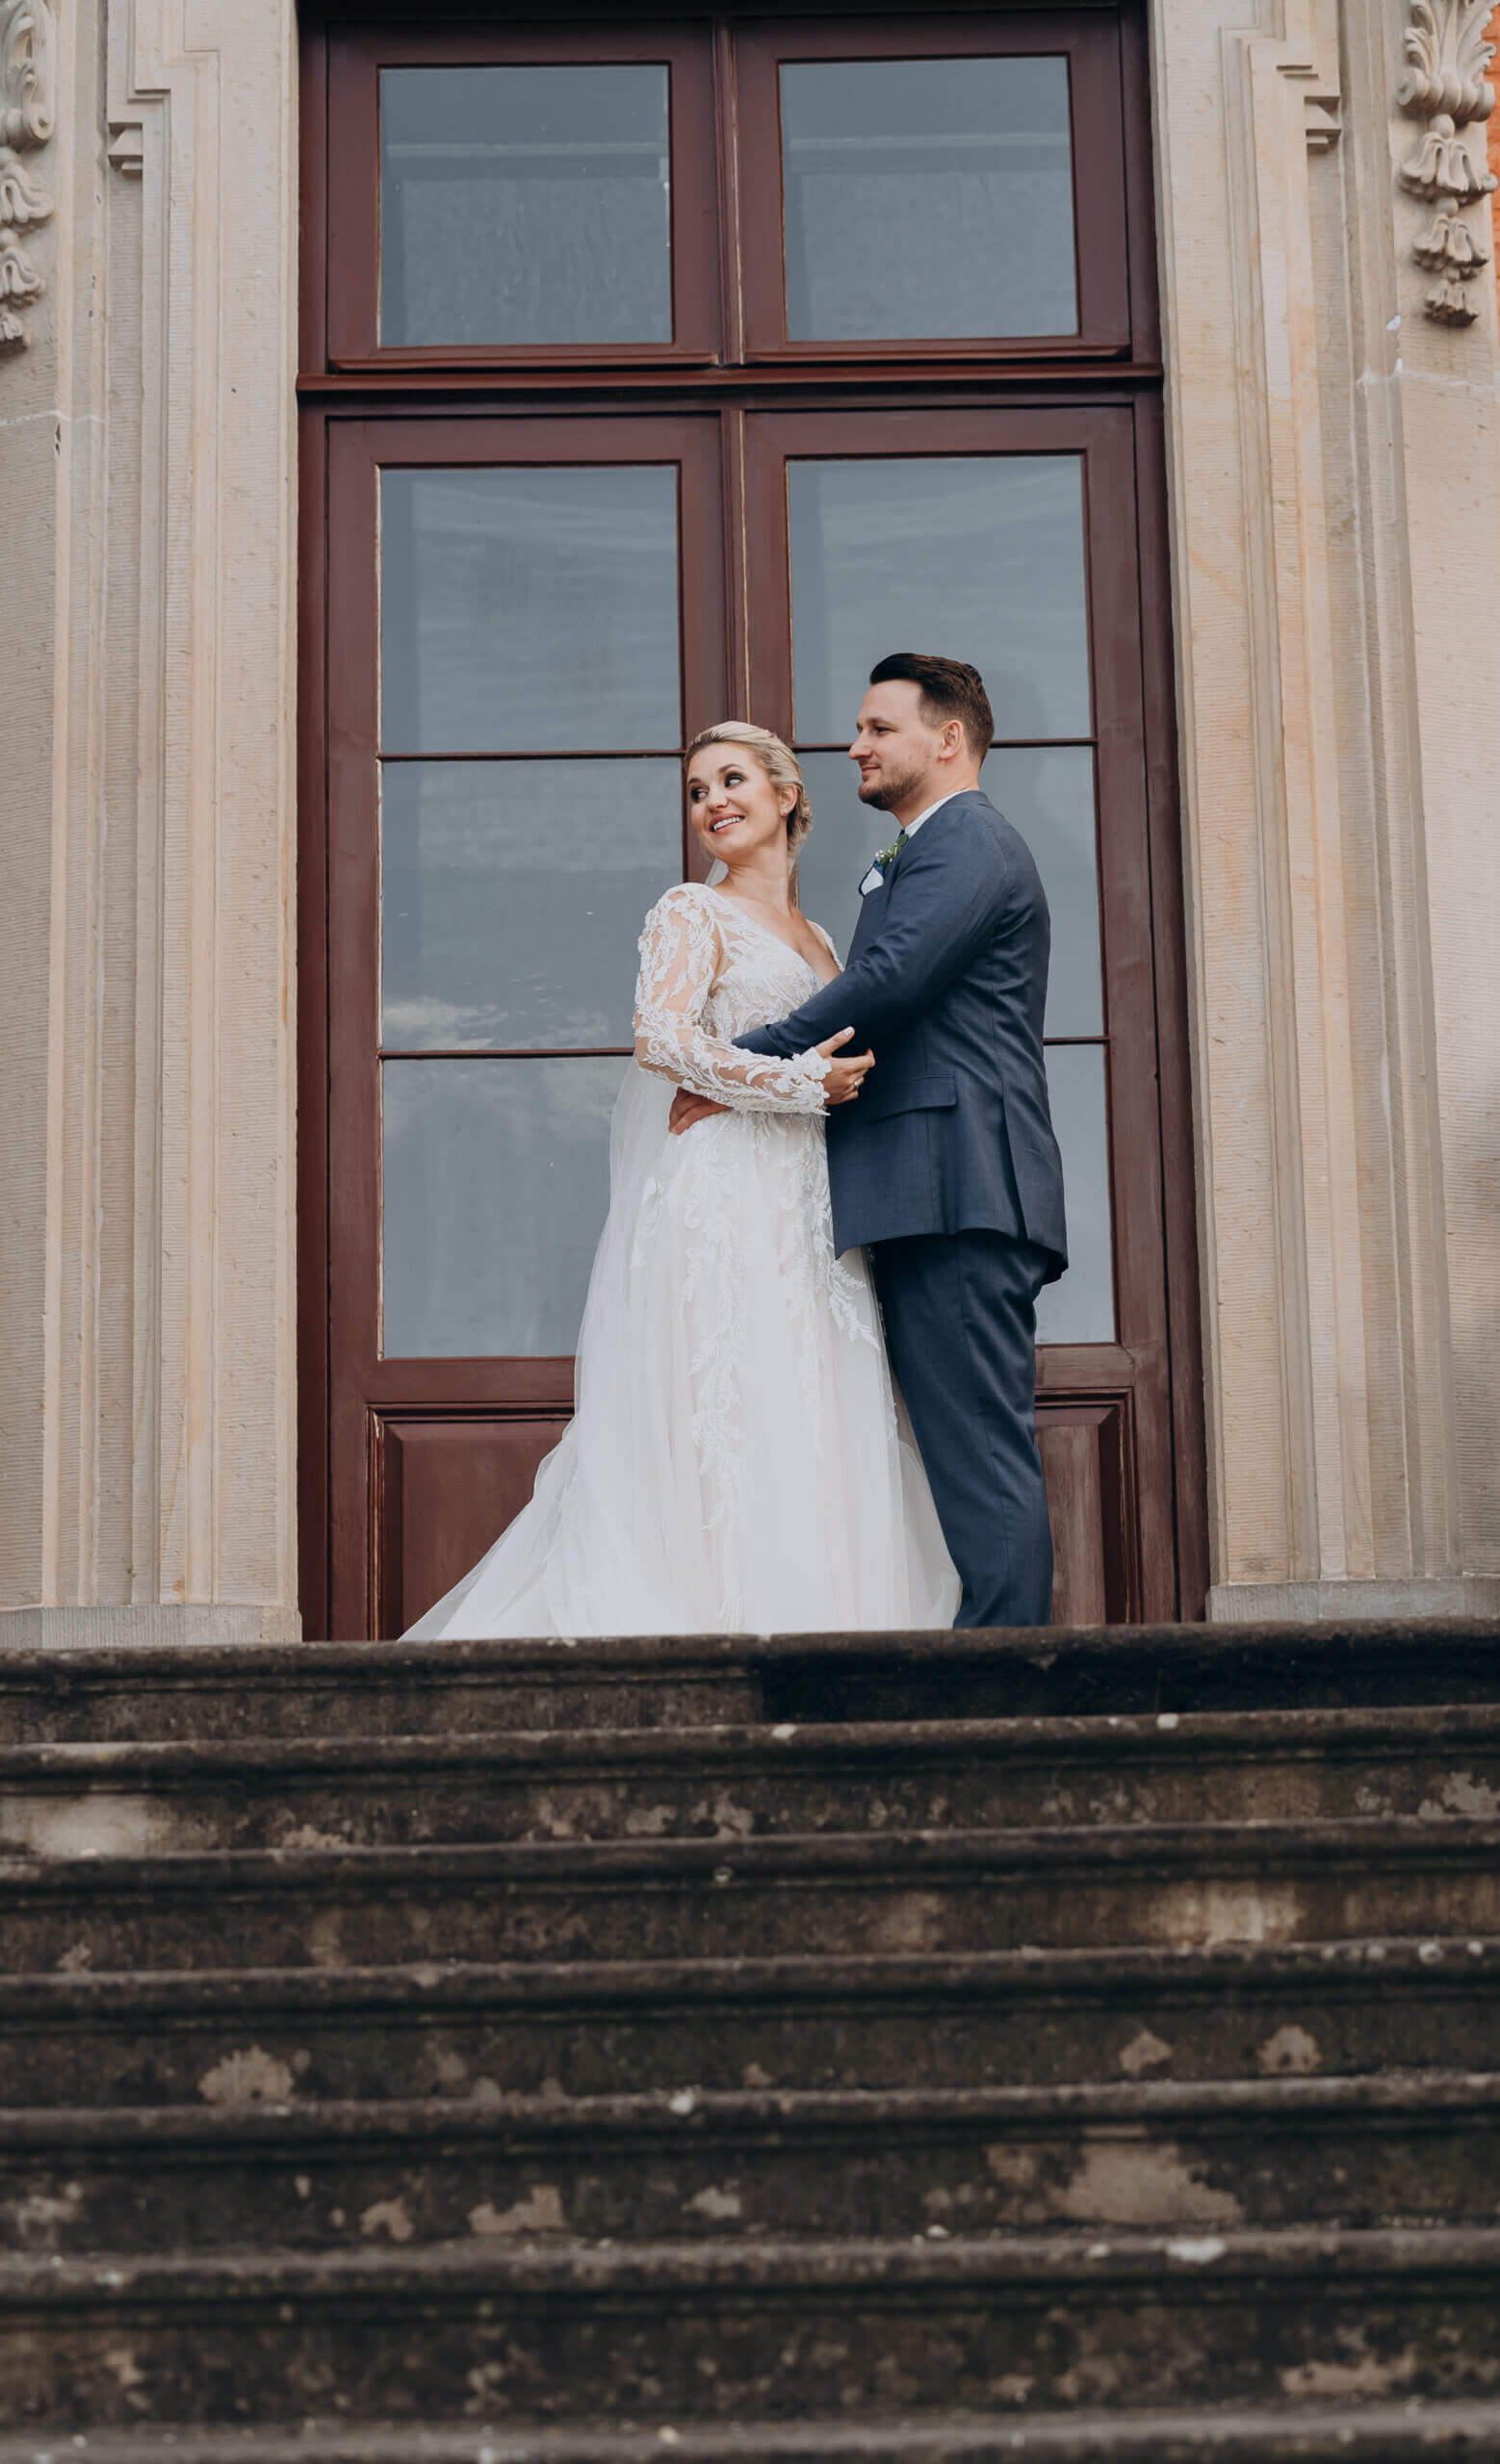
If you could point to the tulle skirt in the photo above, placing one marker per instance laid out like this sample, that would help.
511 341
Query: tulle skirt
738 1460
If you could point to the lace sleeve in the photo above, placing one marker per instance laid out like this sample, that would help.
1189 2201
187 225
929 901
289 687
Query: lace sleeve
679 953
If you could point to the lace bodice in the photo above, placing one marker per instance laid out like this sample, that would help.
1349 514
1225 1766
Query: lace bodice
706 974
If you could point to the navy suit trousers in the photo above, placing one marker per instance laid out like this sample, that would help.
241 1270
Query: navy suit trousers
959 1313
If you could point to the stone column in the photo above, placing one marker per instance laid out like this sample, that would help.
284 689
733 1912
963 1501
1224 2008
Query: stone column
147 995
1332 386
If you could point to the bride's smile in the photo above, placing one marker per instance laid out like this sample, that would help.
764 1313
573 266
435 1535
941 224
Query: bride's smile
752 821
737 811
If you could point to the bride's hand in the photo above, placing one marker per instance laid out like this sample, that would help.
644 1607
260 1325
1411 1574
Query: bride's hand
846 1072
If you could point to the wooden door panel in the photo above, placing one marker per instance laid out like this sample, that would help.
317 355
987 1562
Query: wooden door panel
1085 1457
445 1490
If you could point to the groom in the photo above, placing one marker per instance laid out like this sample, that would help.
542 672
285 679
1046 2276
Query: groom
946 1169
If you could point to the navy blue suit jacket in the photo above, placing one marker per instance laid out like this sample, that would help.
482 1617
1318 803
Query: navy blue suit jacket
947 979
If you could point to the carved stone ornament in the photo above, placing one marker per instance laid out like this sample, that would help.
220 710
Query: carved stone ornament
26 122
1444 84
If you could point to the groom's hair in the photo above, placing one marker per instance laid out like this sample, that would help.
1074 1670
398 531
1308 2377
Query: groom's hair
949 689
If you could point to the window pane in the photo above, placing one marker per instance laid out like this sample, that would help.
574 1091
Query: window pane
845 834
1081 1309
1047 791
928 197
507 895
497 1184
977 557
528 610
525 205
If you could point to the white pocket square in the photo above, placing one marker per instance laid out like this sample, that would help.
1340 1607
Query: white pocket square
874 879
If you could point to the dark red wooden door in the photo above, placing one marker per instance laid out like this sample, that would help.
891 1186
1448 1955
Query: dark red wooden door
641 389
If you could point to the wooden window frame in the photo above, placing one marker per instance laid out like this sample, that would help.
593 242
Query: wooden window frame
1091 47
366 1387
353 187
1083 1391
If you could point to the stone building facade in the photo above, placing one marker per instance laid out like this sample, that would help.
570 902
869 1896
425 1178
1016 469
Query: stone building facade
1329 345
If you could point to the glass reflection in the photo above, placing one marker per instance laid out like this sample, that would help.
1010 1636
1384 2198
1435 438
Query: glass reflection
496 1185
977 557
1081 1309
1047 791
928 197
530 610
507 894
526 205
845 834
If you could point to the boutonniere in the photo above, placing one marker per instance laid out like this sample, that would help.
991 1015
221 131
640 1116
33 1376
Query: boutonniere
880 866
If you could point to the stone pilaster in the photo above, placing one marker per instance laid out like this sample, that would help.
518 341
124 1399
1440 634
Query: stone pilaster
1332 461
147 1228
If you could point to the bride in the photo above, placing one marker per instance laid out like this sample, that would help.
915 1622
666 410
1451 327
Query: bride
738 1460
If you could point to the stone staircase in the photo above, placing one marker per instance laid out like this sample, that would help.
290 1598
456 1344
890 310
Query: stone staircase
1062 2046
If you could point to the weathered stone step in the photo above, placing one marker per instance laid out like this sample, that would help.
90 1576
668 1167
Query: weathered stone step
1184 1886
1266 2153
1416 2432
405 1689
576 2028
1439 1763
705 2330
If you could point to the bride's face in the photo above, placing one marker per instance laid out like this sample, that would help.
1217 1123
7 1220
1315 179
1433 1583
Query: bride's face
733 806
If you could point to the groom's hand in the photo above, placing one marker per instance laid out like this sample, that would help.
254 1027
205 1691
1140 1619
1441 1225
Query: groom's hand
687 1108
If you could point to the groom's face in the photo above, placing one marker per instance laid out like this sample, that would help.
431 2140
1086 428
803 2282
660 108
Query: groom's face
896 753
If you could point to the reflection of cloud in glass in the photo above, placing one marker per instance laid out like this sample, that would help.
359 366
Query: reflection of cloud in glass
409 1025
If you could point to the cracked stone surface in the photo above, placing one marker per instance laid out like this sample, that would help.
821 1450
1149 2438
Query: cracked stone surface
1070 2046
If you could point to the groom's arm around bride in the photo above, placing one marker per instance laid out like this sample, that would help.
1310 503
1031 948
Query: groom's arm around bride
946 1169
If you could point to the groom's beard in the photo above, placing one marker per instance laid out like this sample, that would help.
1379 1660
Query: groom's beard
886 793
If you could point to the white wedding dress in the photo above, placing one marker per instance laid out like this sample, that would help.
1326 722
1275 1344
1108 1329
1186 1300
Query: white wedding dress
736 1462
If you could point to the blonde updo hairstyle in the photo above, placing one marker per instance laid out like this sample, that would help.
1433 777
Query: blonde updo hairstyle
779 764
